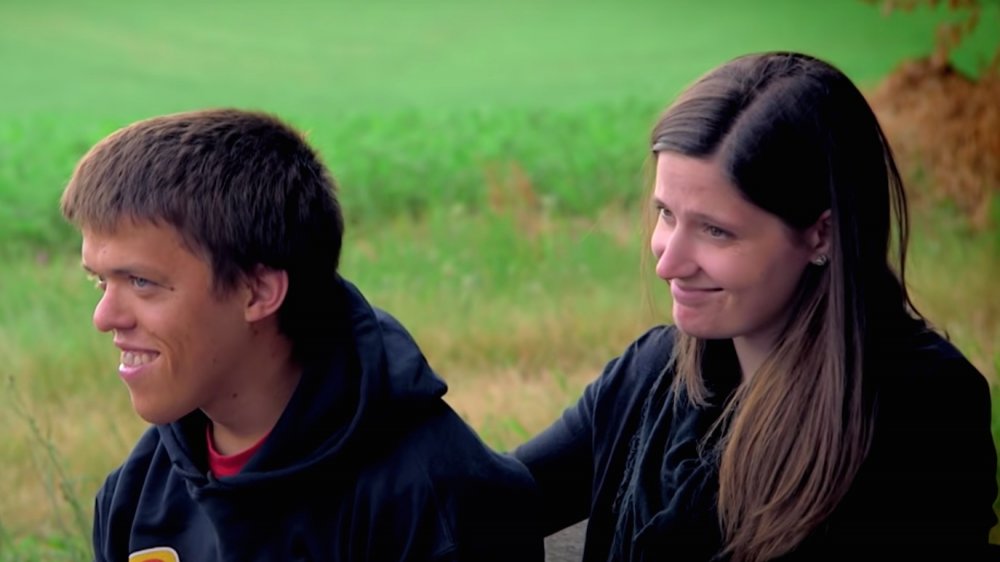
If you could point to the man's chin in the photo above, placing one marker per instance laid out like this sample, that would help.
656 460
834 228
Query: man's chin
155 414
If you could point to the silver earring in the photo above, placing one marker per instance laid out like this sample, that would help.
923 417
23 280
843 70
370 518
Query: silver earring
821 260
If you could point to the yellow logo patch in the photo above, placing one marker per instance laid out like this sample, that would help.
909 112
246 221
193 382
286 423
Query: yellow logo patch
158 554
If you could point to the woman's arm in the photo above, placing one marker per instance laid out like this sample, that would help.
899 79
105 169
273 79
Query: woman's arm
561 459
579 454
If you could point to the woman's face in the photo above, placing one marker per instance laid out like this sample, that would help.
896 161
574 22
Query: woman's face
732 266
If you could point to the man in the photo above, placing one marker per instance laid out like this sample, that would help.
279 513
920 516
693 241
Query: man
292 420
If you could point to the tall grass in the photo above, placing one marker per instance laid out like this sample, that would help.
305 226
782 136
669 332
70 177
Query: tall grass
517 320
387 165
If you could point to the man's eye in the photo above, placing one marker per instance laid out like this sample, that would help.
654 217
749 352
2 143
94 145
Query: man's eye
99 282
140 282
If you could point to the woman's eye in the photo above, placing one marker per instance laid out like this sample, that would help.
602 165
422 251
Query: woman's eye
716 232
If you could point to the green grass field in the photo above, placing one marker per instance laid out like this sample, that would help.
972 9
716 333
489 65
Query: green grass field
490 160
411 103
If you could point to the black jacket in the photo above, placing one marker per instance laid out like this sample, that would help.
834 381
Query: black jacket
924 492
367 463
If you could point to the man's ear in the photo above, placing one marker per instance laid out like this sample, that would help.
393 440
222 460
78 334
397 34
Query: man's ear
818 237
266 290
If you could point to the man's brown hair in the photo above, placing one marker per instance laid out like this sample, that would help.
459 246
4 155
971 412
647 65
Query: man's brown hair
242 188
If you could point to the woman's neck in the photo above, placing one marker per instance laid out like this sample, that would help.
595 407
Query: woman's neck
751 352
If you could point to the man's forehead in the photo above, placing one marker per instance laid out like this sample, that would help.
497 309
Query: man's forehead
130 237
111 224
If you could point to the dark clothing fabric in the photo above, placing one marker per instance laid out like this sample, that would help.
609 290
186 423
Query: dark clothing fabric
630 458
367 463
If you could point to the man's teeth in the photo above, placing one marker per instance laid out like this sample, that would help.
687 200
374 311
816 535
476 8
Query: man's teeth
135 358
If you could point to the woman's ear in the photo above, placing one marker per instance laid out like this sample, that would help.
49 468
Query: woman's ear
818 238
266 289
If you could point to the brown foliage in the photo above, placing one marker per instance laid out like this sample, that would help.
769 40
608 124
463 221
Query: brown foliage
945 126
510 190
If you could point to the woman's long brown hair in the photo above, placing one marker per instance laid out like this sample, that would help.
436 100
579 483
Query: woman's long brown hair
797 138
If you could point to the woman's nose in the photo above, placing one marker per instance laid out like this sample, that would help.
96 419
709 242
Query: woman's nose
673 252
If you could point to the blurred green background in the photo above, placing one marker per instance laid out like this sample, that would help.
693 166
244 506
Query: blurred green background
490 159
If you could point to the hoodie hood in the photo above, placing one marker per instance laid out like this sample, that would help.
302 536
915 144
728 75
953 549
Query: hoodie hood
373 373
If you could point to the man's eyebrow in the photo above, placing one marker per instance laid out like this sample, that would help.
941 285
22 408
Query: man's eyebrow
119 271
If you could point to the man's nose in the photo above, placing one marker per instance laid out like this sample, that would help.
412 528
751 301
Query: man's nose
111 312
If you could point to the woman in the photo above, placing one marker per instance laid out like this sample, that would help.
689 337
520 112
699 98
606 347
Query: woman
799 408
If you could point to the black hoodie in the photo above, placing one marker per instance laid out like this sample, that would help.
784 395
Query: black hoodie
367 462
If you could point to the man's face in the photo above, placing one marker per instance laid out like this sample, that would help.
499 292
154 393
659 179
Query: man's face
183 346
